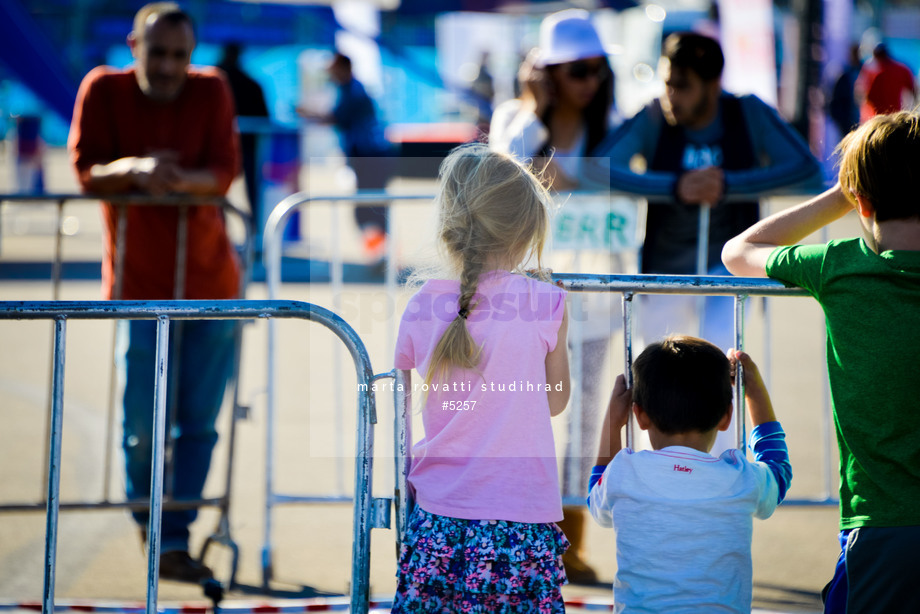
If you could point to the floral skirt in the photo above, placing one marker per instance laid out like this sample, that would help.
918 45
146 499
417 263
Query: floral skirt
455 565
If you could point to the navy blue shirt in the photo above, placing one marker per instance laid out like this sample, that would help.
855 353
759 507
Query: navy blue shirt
360 132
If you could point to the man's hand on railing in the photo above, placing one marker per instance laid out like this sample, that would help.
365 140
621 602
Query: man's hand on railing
704 185
157 174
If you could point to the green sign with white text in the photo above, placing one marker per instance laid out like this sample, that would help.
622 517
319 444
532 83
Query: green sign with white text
596 223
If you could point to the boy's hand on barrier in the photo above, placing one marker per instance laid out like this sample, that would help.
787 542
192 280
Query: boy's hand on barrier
620 403
756 396
617 416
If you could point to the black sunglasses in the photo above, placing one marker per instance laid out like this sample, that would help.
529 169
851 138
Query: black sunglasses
582 70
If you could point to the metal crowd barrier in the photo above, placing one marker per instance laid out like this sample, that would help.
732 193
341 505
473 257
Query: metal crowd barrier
221 534
628 286
271 249
183 202
369 513
272 253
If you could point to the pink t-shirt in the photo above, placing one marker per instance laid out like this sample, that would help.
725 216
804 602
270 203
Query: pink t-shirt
488 451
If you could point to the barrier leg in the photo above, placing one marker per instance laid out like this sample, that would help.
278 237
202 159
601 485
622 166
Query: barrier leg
269 458
362 524
54 465
156 479
740 414
403 447
221 534
628 350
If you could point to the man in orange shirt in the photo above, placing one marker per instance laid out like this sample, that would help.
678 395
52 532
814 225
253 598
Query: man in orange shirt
884 85
161 128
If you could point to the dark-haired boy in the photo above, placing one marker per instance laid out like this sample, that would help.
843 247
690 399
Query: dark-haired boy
869 289
683 518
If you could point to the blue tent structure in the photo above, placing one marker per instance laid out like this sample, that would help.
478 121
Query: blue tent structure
29 54
420 7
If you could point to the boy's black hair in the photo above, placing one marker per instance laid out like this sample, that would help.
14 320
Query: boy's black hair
683 383
692 51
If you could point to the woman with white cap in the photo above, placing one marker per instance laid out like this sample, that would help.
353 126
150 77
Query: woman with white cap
565 109
566 105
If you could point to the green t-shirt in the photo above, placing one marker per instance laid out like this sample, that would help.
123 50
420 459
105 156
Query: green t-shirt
871 305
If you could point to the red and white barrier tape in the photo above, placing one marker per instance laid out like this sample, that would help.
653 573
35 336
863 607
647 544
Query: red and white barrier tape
287 606
281 606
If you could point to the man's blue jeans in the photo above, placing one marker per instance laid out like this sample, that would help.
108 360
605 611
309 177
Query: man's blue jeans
205 353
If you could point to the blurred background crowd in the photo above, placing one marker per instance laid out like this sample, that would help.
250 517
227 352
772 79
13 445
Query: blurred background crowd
437 69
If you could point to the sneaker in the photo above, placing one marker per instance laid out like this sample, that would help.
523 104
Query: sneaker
179 566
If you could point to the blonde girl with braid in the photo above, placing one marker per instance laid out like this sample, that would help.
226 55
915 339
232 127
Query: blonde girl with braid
489 343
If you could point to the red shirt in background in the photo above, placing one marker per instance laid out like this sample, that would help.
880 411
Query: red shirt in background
114 119
883 81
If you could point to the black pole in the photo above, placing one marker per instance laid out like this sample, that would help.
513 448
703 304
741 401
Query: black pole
810 103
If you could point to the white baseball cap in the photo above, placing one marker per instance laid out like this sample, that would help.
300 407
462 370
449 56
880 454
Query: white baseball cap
568 36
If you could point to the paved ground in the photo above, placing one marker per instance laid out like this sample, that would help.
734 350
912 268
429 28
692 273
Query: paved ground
99 554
